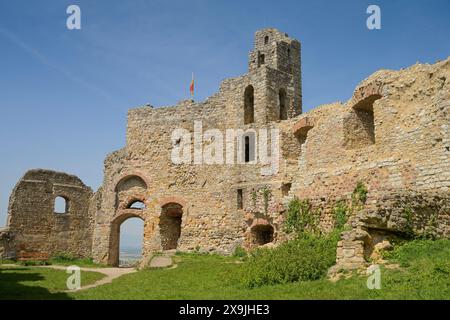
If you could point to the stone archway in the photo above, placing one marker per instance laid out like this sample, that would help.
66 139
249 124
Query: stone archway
262 234
130 188
170 225
114 239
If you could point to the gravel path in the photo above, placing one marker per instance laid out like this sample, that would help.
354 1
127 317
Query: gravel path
110 273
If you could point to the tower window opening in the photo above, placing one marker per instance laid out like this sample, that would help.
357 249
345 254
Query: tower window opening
262 59
249 110
285 188
266 39
240 201
282 104
248 146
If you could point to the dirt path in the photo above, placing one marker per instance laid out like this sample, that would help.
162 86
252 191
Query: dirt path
110 275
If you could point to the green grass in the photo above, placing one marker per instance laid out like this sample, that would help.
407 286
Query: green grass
424 274
21 282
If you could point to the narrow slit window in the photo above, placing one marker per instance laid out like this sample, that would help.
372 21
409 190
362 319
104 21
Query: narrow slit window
247 149
240 199
282 105
249 109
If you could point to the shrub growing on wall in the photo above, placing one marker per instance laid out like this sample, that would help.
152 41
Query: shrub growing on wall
340 211
301 218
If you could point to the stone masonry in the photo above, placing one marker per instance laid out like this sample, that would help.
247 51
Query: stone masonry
393 135
34 227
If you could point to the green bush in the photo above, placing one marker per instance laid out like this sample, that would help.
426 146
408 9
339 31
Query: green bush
239 252
306 258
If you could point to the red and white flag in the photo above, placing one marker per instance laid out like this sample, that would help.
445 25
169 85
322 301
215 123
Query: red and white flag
191 87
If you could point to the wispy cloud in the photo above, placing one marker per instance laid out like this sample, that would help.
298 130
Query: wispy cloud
42 59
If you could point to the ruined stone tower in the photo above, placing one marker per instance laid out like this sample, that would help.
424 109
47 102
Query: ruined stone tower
275 58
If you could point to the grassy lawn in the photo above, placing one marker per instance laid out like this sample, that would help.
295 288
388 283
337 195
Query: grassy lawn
424 273
20 282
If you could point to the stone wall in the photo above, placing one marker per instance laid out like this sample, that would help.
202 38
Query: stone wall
392 135
35 226
402 157
6 244
206 192
394 215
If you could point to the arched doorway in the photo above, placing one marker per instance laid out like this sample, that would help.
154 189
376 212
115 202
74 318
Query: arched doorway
127 220
170 225
131 242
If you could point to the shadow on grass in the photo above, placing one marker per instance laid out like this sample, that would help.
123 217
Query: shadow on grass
11 287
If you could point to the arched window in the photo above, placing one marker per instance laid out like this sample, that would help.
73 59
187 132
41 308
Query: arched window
249 110
137 205
266 39
61 205
130 182
282 104
129 185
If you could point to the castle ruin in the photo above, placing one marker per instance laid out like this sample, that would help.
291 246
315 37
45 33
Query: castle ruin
393 135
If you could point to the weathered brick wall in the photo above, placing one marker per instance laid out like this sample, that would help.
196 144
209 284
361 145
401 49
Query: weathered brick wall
36 227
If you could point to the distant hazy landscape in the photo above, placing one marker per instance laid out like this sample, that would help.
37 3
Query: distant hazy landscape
129 256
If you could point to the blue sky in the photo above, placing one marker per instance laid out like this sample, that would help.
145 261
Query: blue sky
64 94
